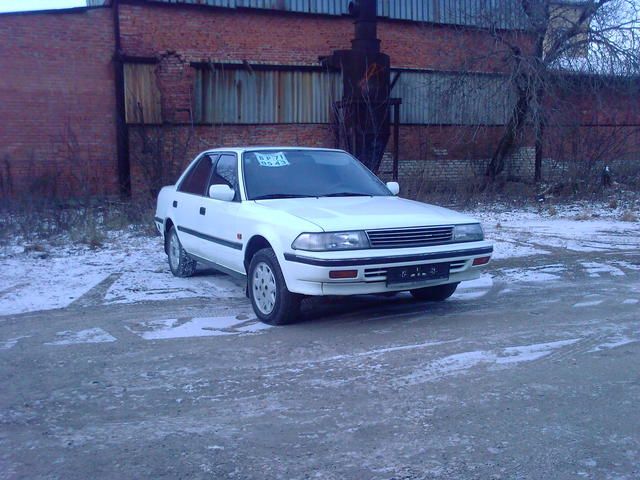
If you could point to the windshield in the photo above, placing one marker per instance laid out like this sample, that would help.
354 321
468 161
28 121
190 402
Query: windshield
307 173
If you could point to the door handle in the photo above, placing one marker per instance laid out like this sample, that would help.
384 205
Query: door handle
175 203
203 210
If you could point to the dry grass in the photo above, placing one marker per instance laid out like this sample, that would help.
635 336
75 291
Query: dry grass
586 215
85 221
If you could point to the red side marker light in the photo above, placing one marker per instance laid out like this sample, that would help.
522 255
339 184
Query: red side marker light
343 274
481 261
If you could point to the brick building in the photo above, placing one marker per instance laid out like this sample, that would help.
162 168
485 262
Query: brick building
124 93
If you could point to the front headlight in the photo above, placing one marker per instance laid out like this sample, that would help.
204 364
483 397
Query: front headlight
319 242
468 233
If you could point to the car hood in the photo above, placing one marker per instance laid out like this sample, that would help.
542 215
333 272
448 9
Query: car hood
366 213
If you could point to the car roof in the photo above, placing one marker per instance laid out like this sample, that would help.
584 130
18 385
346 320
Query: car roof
268 147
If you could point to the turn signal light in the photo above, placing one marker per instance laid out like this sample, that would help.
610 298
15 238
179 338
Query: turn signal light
343 273
481 261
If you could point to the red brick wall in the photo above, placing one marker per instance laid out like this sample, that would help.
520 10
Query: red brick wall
283 38
180 144
58 103
280 37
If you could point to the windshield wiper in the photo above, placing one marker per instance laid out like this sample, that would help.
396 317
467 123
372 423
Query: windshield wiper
281 195
347 194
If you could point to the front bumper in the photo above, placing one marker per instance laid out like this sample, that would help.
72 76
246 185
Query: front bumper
309 274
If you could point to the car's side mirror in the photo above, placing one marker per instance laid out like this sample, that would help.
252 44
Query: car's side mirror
222 192
394 187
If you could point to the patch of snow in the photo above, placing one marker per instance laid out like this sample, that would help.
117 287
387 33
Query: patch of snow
253 327
528 353
528 275
589 303
194 327
474 289
67 273
530 231
461 362
617 341
90 335
382 351
594 269
46 283
508 249
627 265
11 342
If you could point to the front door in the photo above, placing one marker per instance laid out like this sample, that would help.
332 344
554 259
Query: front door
220 221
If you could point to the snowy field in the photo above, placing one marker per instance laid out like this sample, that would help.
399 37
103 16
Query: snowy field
131 268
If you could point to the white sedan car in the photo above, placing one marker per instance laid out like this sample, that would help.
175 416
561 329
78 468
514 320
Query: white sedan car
297 222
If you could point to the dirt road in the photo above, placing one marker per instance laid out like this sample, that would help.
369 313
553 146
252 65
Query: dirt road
516 377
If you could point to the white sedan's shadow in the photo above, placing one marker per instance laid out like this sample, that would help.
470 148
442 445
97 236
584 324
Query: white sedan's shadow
372 307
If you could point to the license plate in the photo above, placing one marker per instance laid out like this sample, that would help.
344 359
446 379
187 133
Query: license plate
417 273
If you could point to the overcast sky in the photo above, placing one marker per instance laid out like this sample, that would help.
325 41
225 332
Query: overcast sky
19 5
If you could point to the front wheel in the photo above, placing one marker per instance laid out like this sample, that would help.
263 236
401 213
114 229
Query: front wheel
435 294
179 262
271 301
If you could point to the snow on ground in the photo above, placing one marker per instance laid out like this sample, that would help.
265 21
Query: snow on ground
534 231
132 268
462 362
90 335
137 265
11 342
197 327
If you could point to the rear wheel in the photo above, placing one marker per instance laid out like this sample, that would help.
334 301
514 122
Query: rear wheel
179 262
435 294
271 301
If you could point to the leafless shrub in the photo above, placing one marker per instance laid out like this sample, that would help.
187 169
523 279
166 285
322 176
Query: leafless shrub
572 58
161 156
79 214
629 216
585 215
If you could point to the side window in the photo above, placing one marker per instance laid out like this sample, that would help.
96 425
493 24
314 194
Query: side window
226 173
196 180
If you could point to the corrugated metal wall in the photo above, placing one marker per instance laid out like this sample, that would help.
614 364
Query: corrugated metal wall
271 96
434 98
141 94
507 14
277 96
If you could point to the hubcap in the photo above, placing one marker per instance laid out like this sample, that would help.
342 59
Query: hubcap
174 252
264 288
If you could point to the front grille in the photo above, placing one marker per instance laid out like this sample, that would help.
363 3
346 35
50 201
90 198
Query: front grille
410 237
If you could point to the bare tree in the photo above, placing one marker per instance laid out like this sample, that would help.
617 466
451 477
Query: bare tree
589 37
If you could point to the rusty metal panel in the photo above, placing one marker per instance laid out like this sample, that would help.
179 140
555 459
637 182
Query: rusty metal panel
506 14
141 93
436 98
480 13
264 96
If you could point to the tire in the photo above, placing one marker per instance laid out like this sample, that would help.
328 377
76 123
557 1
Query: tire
180 263
271 301
438 293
